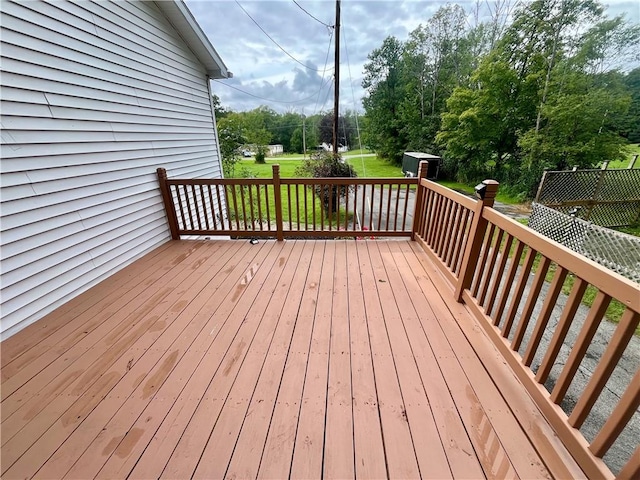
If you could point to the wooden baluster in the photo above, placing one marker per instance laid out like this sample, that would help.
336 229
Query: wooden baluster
550 300
259 200
298 206
476 234
619 341
417 207
204 208
244 206
306 209
568 314
404 212
346 207
278 202
189 209
252 212
504 256
519 291
481 267
451 240
397 207
364 205
580 346
213 208
289 204
627 406
390 190
462 234
506 288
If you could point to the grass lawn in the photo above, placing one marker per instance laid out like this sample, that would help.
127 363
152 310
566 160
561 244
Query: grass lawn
374 167
632 149
502 197
366 167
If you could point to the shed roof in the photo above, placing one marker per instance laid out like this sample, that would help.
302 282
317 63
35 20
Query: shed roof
421 155
185 24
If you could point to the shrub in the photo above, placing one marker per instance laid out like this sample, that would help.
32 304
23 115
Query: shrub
327 165
261 153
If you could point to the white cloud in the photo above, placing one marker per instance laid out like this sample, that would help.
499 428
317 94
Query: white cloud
264 70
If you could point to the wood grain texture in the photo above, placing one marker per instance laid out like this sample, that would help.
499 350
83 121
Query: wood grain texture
301 359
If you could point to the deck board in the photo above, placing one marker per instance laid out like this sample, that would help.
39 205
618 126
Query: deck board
300 359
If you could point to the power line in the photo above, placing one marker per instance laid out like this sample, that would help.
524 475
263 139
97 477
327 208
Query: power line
316 19
355 111
271 100
276 43
326 61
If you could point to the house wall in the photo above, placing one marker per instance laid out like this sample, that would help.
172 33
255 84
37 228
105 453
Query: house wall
95 96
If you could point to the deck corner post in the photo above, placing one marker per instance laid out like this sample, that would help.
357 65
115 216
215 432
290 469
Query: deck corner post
423 167
277 196
486 193
169 207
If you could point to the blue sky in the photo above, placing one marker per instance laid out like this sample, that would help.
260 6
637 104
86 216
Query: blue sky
302 82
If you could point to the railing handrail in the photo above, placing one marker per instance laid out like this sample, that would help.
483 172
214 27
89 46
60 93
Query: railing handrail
256 206
608 281
492 283
464 237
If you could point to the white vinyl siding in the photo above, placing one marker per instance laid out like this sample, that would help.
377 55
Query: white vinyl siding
95 97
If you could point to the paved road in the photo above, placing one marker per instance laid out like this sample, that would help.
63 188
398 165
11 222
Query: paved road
372 215
348 157
620 379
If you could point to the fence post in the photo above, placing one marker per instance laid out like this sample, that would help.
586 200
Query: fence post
596 192
486 193
423 167
541 186
277 195
169 207
632 162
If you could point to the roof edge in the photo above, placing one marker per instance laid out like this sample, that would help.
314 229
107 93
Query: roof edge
181 18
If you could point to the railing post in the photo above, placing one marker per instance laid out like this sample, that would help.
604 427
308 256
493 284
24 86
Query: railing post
486 193
169 207
423 167
277 196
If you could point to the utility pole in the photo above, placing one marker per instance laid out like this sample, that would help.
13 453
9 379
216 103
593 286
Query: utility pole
304 136
336 87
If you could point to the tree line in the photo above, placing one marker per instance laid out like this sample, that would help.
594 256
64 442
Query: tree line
538 86
255 129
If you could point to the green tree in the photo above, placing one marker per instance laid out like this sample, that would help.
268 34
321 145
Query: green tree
631 121
479 129
385 92
435 62
218 109
542 98
283 129
257 124
231 138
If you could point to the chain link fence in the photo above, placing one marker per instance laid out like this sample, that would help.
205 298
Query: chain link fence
617 251
610 198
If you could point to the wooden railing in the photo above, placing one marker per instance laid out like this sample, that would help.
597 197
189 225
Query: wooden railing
512 279
289 207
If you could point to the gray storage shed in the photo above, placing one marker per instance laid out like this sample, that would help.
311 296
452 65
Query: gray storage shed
411 161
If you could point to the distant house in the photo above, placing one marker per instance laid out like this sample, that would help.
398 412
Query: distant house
327 147
95 97
275 150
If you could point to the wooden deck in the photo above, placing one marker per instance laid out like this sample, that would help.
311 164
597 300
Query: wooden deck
300 359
